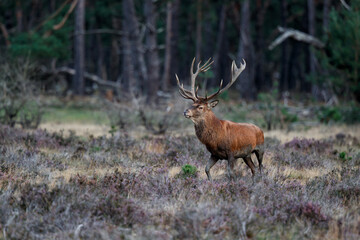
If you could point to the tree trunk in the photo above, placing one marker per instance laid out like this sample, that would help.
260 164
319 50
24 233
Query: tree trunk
128 77
101 68
34 10
174 66
198 30
245 84
167 63
152 55
79 60
261 7
171 44
114 55
293 76
284 75
131 30
219 54
326 10
19 17
52 5
311 30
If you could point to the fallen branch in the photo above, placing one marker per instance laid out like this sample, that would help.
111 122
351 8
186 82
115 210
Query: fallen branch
89 76
101 31
297 35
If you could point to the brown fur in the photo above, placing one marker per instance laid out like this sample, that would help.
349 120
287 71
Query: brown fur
225 139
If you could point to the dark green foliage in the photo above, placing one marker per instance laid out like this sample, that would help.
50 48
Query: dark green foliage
288 117
341 58
189 170
347 113
35 45
327 114
344 156
351 113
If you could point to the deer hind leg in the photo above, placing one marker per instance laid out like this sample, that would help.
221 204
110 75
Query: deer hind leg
259 155
211 162
250 164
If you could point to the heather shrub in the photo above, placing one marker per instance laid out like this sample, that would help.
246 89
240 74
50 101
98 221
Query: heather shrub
120 210
303 153
298 159
65 186
309 145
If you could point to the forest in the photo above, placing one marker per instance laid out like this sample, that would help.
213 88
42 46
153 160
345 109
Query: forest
94 137
296 46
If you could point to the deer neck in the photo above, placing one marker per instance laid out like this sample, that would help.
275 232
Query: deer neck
206 129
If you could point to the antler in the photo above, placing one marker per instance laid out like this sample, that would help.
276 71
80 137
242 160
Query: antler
193 93
235 72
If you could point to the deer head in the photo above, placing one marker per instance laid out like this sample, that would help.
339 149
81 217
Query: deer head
202 106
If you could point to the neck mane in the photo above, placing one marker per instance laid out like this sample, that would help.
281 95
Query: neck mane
206 129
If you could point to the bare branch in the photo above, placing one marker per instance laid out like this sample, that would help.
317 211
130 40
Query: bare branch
102 31
6 34
297 35
62 22
345 5
53 15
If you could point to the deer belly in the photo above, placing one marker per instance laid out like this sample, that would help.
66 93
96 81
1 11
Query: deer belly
243 152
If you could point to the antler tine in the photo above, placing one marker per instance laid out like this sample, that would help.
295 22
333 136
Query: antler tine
216 93
235 72
206 66
183 92
196 92
193 78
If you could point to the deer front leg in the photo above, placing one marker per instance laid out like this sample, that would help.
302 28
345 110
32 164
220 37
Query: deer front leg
211 162
230 168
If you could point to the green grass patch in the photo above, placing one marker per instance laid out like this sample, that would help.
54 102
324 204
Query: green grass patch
189 171
74 115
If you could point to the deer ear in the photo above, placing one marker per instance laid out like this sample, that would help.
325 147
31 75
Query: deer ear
213 103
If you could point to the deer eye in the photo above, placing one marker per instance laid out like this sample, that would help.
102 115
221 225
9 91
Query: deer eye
201 107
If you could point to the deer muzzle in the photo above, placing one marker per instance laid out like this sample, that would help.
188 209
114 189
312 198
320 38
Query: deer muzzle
187 113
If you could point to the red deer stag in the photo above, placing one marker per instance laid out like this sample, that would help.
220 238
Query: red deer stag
223 139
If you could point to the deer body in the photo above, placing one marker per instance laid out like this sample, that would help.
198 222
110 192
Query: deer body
223 139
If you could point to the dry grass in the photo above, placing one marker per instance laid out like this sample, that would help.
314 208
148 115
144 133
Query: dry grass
80 129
